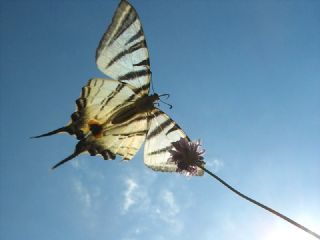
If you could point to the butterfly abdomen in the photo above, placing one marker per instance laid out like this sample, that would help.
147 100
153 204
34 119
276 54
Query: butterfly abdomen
144 104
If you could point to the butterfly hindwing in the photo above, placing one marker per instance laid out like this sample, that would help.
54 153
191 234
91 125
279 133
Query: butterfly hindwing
124 139
122 52
99 100
162 132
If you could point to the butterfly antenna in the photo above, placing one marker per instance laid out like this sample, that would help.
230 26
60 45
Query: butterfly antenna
152 87
59 130
170 106
73 155
167 95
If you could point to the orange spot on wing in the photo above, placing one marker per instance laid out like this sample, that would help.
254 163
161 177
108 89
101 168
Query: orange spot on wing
93 121
95 127
98 135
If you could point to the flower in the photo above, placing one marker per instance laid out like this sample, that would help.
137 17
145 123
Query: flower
187 155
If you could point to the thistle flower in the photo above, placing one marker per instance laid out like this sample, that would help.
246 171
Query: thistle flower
187 156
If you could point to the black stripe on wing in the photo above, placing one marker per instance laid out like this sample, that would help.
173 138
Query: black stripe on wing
157 130
136 118
138 35
173 128
135 74
126 102
130 50
111 96
143 90
95 81
81 102
131 134
124 17
145 62
159 151
128 20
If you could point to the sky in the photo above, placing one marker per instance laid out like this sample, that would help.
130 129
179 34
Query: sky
243 77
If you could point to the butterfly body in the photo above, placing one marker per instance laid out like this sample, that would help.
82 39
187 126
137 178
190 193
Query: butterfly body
142 105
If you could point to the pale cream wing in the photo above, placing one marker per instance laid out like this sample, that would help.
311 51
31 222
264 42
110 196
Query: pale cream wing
122 52
123 139
163 131
99 100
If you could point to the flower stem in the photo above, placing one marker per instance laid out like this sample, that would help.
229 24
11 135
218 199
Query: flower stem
260 204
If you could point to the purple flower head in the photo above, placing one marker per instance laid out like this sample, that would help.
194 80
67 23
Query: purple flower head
187 155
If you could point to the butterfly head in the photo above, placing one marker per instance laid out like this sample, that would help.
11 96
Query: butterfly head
154 97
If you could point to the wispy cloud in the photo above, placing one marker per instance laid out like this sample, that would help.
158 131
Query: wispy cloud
90 196
168 211
214 164
88 187
83 193
147 200
75 164
129 194
170 201
84 167
158 207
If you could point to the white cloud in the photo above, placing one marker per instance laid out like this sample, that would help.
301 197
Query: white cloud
159 206
83 193
170 201
214 164
129 194
75 164
87 184
167 210
84 166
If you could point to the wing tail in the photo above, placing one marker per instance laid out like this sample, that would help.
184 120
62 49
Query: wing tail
59 130
73 155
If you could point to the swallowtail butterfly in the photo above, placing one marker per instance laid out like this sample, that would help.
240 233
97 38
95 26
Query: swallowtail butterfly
116 116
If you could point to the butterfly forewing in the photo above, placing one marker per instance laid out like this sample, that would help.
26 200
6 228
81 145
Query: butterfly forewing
162 132
122 52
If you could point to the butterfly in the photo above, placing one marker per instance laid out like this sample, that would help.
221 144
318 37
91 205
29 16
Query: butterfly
116 116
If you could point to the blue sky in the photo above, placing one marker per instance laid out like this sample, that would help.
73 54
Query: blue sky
243 76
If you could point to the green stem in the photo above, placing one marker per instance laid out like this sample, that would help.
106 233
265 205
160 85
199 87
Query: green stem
260 204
